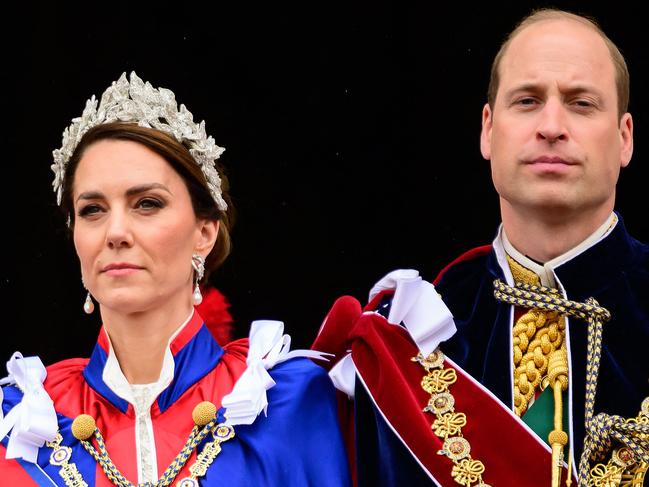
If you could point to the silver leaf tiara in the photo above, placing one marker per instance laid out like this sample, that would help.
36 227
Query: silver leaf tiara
140 102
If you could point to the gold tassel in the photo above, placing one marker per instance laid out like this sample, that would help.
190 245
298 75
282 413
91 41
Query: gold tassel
558 375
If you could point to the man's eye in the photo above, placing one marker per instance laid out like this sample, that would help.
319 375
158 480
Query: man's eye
584 103
526 101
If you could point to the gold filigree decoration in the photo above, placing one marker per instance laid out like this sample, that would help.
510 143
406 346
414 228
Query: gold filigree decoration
448 423
606 475
438 380
467 471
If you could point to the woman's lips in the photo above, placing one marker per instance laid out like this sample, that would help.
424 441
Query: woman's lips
120 269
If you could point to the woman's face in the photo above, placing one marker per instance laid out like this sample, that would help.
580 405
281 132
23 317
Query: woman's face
135 229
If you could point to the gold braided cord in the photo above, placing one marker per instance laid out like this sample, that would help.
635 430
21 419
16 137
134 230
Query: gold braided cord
628 464
537 334
204 426
546 353
531 357
549 299
558 439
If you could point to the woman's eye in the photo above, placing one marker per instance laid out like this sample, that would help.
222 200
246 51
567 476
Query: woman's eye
149 204
89 210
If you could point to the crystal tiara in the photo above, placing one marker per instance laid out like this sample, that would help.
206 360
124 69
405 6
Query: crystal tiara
141 103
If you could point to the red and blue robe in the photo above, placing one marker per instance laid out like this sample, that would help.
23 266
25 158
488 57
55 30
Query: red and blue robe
298 442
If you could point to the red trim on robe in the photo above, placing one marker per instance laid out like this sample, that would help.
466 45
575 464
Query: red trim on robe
468 255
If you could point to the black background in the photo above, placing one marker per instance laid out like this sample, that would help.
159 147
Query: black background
351 132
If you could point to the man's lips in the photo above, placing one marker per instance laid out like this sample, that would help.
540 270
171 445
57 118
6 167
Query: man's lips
550 160
550 165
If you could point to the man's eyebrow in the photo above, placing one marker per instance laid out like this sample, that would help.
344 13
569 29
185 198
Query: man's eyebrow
524 88
537 87
135 190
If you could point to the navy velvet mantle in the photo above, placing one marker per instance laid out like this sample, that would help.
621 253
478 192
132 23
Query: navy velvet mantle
615 272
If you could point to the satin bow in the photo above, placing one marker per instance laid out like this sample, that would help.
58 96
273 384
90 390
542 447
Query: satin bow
33 421
268 347
419 307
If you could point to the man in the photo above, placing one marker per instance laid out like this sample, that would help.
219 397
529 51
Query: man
550 323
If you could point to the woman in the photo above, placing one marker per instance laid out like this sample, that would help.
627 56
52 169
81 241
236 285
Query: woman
159 402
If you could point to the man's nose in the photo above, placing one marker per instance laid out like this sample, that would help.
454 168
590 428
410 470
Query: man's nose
552 125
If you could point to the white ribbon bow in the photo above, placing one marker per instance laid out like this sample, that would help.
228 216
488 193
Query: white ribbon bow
268 347
33 421
417 305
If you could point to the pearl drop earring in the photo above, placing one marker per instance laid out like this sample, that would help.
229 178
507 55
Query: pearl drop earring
198 263
88 305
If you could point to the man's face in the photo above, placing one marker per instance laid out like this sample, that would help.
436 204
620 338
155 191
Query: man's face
554 137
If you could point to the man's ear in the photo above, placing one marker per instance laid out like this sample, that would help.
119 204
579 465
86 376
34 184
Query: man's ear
485 134
626 139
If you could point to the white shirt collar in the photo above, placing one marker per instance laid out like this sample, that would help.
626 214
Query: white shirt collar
546 271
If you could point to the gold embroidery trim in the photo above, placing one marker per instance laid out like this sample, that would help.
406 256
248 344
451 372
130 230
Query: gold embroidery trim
61 456
448 423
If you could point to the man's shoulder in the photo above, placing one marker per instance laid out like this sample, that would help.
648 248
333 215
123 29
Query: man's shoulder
464 268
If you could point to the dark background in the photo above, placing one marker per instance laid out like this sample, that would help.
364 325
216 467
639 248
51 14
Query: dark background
351 132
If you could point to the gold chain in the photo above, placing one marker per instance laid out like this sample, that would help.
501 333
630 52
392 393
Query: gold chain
83 428
449 423
624 468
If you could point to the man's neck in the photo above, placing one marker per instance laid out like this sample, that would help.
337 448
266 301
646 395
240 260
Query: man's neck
545 237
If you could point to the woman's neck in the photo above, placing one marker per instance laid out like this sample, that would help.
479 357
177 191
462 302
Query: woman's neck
140 339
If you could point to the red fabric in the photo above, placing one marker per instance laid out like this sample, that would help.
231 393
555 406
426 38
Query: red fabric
334 338
371 306
511 455
12 473
72 396
382 354
187 333
335 331
471 254
214 310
